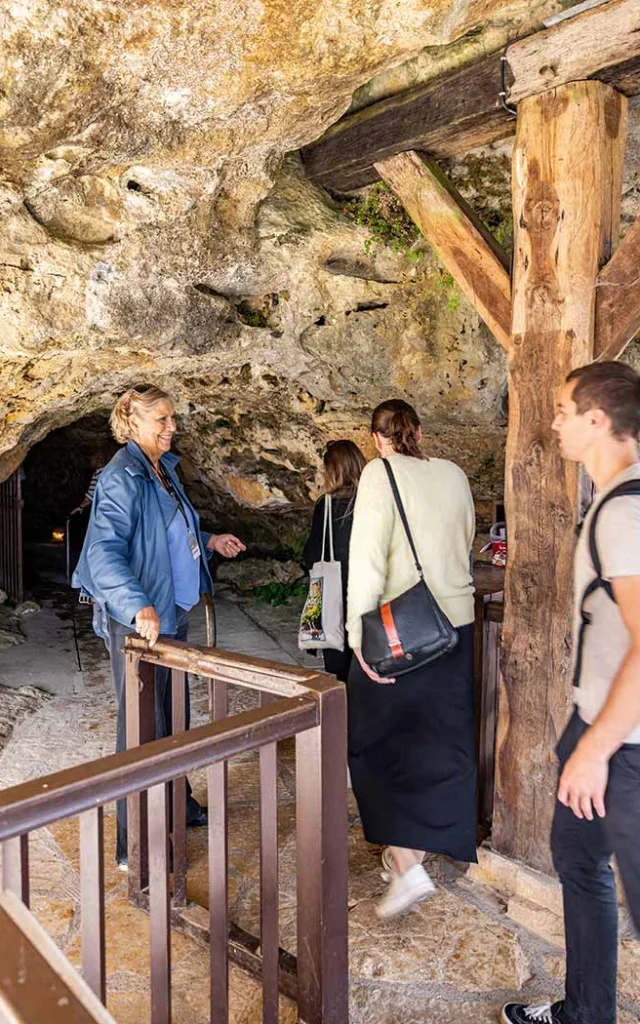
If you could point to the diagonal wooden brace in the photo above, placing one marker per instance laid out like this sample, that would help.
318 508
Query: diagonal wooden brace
464 245
618 298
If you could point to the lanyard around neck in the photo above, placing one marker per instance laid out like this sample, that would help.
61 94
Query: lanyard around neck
165 480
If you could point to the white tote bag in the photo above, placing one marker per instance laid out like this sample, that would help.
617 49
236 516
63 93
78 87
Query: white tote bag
322 619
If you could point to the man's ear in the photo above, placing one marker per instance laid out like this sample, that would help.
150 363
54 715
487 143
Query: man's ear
598 418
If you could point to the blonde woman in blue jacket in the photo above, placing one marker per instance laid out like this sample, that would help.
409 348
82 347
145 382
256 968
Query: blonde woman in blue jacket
145 560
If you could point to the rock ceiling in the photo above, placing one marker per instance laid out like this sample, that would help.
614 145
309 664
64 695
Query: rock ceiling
156 224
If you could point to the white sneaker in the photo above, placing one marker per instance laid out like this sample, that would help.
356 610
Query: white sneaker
388 866
405 891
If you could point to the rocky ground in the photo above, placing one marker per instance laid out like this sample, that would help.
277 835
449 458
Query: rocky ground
457 957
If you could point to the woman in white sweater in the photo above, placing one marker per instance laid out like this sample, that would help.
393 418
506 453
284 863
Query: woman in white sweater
411 741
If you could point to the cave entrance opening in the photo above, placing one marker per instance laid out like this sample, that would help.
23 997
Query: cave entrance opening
56 478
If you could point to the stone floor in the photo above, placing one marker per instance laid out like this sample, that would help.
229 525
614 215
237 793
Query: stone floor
456 958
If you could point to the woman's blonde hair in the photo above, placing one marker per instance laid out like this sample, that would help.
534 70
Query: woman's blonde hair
142 396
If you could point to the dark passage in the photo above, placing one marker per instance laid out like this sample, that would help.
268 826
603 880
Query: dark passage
57 474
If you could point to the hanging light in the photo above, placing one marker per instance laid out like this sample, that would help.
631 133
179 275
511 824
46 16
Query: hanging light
57 536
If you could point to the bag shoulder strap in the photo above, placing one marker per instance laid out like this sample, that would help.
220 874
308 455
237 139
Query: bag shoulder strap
328 525
629 487
403 516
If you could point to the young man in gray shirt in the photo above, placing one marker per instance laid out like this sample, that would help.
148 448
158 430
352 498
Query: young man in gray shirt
598 807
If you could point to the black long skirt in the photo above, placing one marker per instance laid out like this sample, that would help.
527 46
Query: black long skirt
412 754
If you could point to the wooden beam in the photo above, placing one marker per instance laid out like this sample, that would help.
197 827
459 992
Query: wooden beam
566 216
464 245
461 111
625 77
618 298
445 117
593 42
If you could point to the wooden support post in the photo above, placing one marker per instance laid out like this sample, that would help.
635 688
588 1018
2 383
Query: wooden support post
618 299
567 181
464 245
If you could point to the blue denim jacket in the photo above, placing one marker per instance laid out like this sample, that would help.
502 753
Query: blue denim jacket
125 565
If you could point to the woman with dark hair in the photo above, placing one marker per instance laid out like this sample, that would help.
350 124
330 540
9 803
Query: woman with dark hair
412 743
343 465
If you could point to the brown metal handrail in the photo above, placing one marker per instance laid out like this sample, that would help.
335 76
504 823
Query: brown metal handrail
48 987
39 802
295 702
238 669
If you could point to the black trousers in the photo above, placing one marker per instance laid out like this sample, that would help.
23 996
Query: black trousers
338 663
582 853
163 703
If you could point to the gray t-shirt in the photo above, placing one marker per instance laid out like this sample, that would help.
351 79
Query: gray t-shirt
607 639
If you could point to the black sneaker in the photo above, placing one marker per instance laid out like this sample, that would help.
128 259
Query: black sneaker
547 1013
200 819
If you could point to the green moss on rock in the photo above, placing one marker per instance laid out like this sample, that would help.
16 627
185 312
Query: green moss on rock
381 212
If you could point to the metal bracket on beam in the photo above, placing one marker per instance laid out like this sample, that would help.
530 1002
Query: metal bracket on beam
586 5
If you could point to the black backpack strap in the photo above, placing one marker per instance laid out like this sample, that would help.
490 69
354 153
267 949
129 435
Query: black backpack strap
629 487
403 516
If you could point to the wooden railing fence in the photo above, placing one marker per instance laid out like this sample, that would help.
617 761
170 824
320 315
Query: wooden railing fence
308 706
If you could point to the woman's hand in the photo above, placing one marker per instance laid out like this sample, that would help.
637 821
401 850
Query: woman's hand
369 671
225 544
148 624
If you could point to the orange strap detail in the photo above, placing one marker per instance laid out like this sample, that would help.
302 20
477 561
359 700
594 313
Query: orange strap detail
393 639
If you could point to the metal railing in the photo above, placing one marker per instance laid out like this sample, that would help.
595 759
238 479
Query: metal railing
294 703
38 983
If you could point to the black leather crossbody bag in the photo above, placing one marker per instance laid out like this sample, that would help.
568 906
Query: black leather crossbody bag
411 630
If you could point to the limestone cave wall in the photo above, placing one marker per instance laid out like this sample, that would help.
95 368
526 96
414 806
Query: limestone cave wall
156 225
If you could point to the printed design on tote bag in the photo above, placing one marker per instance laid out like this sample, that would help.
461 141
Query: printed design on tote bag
322 620
311 618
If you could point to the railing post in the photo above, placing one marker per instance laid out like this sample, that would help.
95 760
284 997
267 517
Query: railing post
218 868
159 905
37 982
322 855
140 698
92 896
178 725
15 867
269 938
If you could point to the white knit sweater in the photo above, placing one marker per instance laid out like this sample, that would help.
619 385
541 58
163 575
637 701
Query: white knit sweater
437 499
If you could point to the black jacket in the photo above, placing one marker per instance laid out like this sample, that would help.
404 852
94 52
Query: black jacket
342 519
